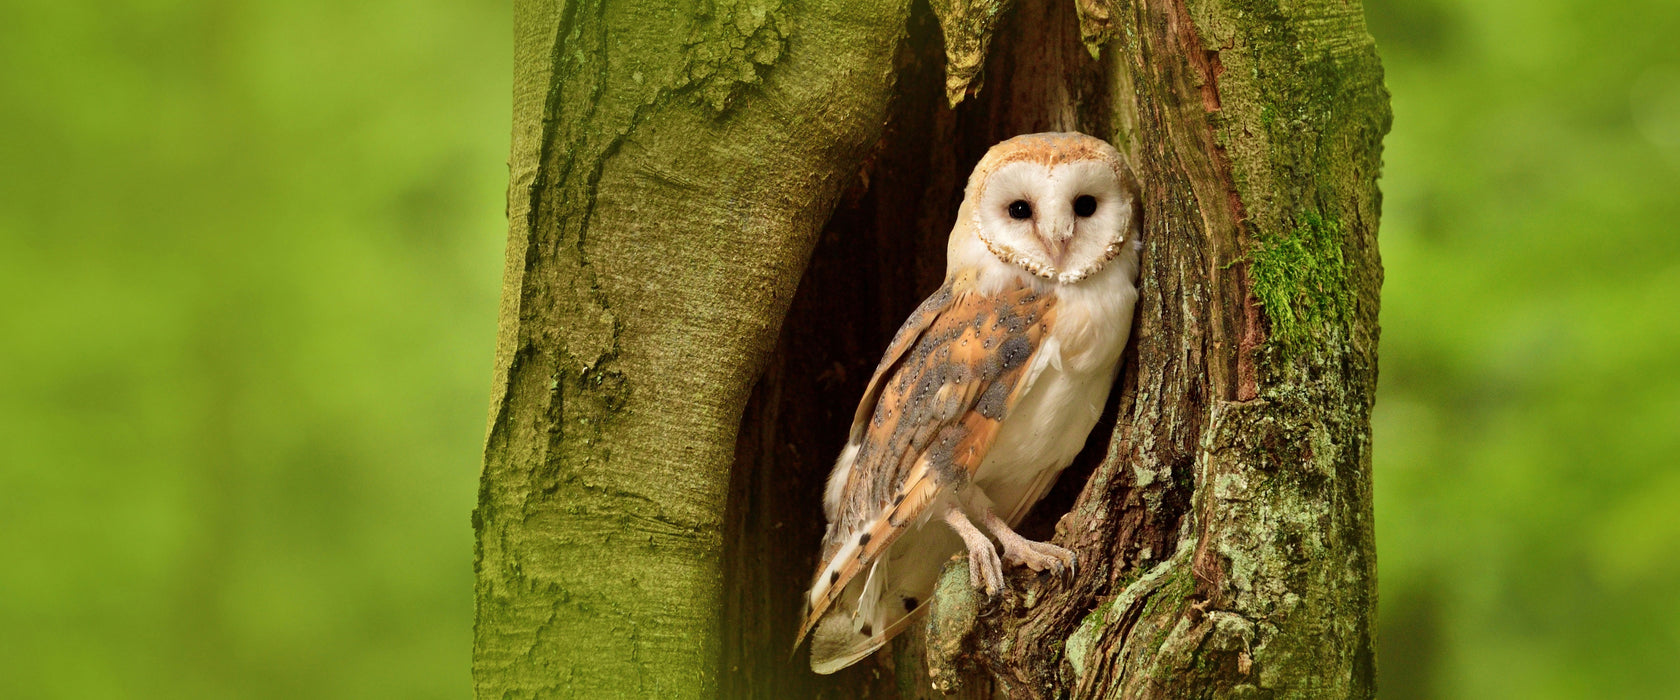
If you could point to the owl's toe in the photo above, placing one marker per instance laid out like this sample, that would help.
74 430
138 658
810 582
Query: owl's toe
1038 556
985 570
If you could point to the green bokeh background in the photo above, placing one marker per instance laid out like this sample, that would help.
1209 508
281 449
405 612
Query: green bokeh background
250 252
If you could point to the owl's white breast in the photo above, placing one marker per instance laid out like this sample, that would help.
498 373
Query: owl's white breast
1080 358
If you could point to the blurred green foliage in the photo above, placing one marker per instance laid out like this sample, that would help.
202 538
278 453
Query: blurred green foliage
1527 430
249 254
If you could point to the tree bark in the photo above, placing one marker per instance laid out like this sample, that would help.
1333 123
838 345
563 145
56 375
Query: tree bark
650 502
1228 531
671 168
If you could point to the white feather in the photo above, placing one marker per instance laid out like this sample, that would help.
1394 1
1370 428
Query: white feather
837 482
1075 371
868 606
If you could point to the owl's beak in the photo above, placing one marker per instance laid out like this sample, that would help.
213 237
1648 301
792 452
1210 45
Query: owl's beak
1057 248
1056 242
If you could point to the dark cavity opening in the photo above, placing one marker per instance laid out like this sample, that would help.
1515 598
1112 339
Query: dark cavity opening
882 252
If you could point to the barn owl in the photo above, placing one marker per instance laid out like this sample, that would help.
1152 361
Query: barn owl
985 394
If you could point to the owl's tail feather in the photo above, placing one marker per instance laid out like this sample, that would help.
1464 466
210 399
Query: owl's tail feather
875 608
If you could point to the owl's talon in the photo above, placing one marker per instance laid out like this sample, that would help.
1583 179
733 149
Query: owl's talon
985 569
1038 556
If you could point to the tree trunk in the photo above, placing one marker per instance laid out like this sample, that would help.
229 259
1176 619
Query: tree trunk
671 170
649 516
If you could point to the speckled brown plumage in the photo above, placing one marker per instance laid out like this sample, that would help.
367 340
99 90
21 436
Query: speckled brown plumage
933 407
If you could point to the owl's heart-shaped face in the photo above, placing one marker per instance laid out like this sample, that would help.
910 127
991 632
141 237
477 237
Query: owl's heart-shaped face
1058 210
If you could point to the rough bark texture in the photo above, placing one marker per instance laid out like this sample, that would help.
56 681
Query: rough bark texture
671 169
1228 532
674 169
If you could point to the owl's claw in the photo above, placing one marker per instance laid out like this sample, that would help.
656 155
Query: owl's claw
1038 556
985 569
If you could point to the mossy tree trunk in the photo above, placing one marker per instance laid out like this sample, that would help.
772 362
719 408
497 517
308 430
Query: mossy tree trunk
666 404
672 166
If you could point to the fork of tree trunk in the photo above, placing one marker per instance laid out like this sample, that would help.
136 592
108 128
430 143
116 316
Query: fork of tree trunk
718 214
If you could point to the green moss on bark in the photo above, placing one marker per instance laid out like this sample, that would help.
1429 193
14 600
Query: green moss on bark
1300 280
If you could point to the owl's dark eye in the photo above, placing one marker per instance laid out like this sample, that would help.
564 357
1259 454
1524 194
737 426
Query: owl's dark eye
1085 205
1020 209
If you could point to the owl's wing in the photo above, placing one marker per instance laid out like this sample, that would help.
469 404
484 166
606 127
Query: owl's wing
925 424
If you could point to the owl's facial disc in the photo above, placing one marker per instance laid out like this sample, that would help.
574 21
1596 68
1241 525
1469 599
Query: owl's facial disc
1061 221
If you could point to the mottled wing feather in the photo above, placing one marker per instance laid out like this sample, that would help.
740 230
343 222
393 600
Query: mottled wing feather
927 420
902 341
